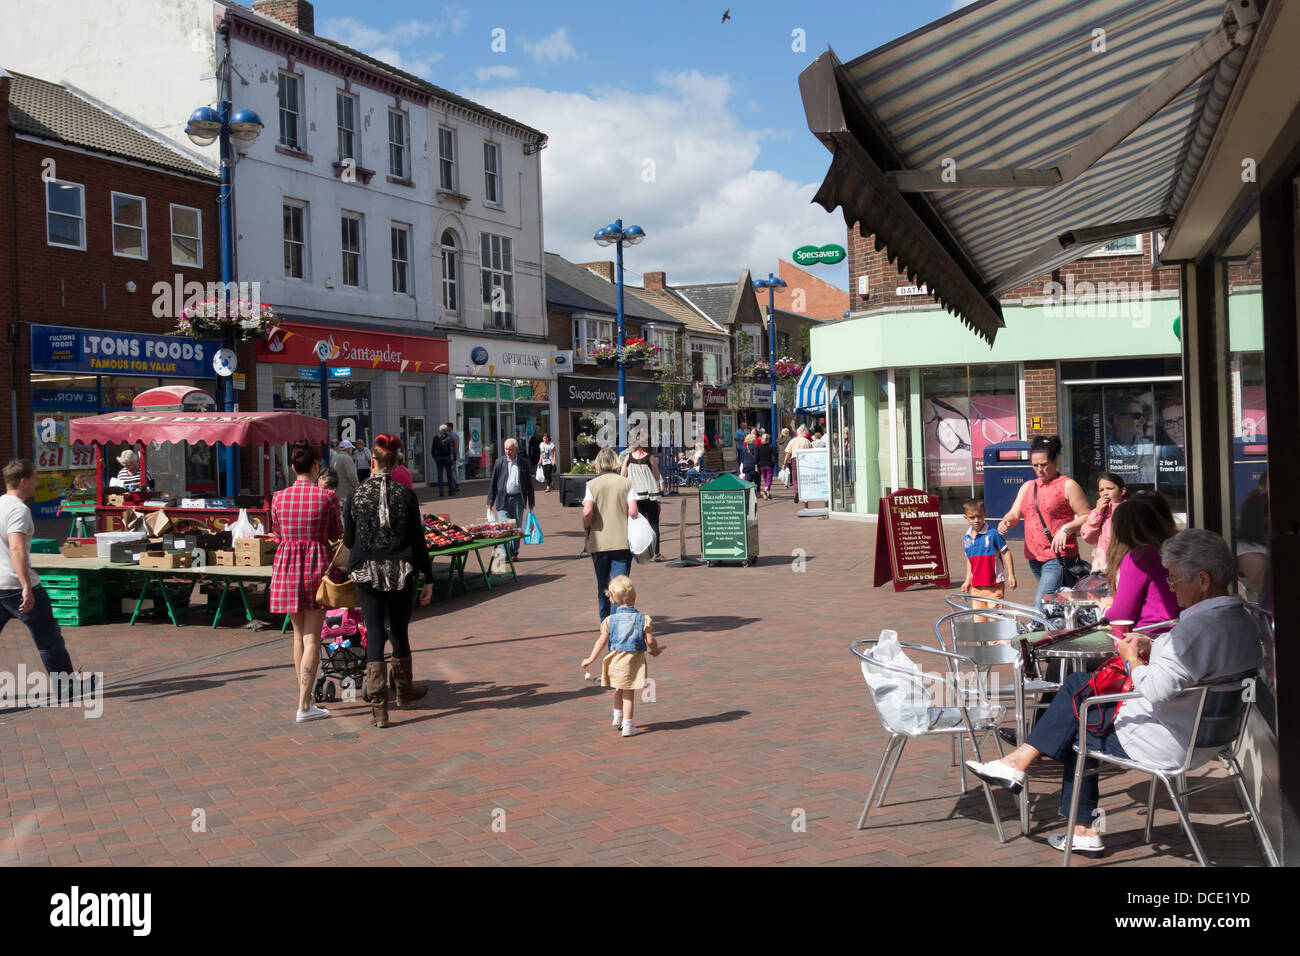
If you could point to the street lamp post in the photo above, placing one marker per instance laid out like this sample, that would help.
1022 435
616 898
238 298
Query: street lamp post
207 125
771 284
616 235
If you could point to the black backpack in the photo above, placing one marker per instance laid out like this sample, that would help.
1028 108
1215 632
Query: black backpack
441 446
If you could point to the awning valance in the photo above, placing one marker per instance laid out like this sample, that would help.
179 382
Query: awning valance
1009 138
810 392
228 428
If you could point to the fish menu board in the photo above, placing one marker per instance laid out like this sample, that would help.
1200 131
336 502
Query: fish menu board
909 541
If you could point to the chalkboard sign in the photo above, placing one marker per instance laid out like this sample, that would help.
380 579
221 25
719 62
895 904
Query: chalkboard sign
724 525
909 540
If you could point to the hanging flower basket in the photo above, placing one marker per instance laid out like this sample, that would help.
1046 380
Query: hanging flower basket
604 354
756 371
239 318
787 367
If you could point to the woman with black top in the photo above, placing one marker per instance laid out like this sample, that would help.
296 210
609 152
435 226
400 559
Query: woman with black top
385 539
641 467
766 465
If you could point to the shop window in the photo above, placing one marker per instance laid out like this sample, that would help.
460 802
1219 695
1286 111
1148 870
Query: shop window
129 238
963 411
65 214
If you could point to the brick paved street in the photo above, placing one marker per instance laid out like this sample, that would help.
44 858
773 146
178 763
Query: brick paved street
760 712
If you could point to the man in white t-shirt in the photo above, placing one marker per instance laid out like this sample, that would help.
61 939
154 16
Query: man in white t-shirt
21 594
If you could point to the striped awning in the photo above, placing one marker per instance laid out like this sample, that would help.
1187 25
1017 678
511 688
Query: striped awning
810 391
1009 138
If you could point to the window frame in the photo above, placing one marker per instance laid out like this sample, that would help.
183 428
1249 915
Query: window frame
171 223
346 216
487 272
81 219
454 174
588 331
450 278
355 103
143 227
299 145
666 339
404 145
718 351
304 259
394 230
492 177
1106 253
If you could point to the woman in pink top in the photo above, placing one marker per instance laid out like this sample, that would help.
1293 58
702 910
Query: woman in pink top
1096 530
1137 577
402 474
1054 508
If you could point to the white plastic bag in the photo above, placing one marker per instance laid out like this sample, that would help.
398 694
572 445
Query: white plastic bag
242 528
784 476
640 537
904 704
540 474
492 515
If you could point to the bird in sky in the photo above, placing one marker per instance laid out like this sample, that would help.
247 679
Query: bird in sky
726 15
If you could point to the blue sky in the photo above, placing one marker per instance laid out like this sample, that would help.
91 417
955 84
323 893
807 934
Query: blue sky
658 113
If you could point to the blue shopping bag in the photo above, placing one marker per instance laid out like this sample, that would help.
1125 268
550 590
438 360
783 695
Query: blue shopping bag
532 530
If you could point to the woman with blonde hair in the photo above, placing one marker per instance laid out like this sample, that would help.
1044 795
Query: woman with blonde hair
610 500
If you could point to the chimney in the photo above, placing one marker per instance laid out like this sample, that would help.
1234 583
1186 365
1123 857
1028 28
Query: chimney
292 13
603 269
654 281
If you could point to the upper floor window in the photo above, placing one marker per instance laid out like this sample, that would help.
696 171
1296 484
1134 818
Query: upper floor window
492 172
450 257
129 237
346 108
295 240
710 361
351 246
666 339
1128 246
65 214
187 236
290 98
496 268
446 159
398 140
588 333
401 242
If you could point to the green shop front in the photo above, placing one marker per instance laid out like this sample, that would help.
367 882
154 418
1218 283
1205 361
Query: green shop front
920 400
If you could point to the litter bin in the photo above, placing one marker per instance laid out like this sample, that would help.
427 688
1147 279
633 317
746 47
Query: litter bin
729 521
1006 468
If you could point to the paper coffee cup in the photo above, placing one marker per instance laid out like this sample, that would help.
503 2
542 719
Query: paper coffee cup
1120 629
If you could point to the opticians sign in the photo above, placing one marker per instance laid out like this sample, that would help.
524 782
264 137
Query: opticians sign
818 255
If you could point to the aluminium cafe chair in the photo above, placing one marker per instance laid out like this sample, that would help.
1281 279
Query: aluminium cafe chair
970 715
988 638
1222 713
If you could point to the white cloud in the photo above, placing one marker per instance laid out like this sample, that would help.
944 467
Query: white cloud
399 45
485 74
551 48
958 4
709 211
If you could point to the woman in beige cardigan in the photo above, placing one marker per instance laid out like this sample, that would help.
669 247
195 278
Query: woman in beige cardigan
609 502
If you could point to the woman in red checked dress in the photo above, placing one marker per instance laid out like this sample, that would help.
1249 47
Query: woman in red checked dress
304 519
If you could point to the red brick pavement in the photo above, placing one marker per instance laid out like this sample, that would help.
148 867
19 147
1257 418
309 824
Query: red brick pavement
761 714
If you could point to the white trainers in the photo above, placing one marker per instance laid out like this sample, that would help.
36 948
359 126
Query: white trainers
630 729
315 713
618 721
1082 844
995 771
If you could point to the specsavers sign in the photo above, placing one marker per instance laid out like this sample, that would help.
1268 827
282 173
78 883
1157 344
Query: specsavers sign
101 352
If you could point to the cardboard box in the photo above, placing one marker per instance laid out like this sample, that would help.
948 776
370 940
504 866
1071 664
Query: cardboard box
157 522
260 544
132 520
127 552
222 558
253 559
166 559
73 548
180 542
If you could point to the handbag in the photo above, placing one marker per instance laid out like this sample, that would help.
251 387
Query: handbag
1073 570
332 594
1112 677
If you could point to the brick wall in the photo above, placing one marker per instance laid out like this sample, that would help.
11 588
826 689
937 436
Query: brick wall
8 274
298 14
1040 399
87 288
817 298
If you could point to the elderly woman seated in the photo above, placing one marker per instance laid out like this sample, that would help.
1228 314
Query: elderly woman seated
1214 638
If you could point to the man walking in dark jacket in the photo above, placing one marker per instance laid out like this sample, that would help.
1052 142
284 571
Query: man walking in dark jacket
511 486
444 460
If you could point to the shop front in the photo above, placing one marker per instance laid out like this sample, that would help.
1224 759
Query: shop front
500 389
375 383
589 415
712 402
82 372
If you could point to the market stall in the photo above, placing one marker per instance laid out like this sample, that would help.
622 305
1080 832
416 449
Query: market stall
187 501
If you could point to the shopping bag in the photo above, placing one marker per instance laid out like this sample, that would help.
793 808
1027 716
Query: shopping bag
904 705
540 474
242 528
640 538
784 477
532 530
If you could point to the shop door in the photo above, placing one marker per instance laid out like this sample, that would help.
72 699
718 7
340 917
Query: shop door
506 419
413 442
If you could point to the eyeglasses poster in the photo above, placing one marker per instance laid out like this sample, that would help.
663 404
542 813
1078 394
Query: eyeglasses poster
958 429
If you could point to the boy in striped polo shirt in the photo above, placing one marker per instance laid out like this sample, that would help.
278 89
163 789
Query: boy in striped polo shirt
985 550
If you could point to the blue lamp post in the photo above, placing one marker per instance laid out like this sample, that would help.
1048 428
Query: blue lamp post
771 284
243 126
615 234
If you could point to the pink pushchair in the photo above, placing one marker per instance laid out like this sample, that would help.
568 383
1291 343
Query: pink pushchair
343 657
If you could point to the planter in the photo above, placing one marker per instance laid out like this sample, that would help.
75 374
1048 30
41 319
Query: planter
586 452
573 488
606 362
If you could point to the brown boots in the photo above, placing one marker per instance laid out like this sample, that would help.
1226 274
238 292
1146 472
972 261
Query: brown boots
406 691
377 692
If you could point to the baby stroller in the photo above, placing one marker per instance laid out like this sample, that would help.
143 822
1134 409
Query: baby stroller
343 658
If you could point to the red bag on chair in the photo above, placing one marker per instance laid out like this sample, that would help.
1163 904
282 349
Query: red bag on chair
1112 677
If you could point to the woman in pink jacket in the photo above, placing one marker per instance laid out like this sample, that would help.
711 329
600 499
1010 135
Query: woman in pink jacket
1137 578
1096 530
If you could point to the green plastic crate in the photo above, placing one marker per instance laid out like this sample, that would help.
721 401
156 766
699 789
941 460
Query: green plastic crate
45 546
70 580
69 599
76 617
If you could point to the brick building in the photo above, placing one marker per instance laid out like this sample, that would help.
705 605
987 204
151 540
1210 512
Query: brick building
103 211
805 294
1090 352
